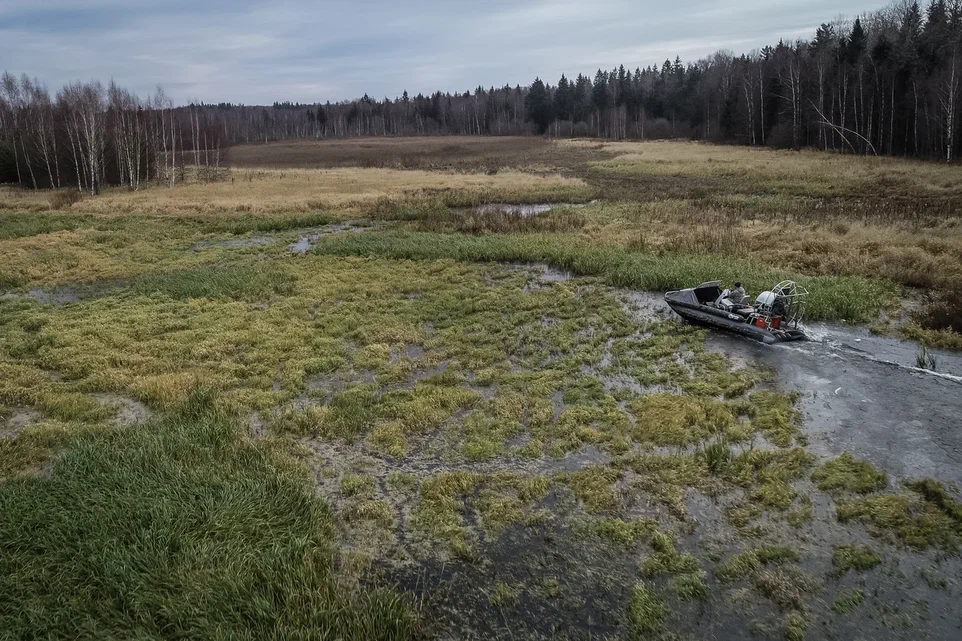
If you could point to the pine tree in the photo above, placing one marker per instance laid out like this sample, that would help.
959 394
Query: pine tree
562 100
599 98
538 107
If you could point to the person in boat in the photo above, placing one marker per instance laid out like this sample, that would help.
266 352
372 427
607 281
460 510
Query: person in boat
738 295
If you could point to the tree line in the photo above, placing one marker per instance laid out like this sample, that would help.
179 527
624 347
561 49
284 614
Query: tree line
889 82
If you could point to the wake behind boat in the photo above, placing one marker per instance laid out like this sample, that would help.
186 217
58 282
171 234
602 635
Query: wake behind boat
774 316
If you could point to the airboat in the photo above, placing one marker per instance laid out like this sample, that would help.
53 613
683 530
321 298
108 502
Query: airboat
774 317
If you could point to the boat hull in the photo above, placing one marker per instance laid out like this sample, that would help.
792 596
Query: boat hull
702 315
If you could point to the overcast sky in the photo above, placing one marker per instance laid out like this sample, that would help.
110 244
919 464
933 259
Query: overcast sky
308 51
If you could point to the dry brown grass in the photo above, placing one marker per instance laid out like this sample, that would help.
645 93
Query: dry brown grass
758 170
86 255
914 255
345 190
15 199
471 153
65 198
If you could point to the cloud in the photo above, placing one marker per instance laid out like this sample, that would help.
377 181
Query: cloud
258 52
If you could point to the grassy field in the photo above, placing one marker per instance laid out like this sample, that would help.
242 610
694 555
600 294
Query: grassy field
415 426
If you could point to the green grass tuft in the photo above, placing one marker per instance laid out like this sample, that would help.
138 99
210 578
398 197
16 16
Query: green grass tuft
919 521
751 561
180 529
690 586
845 474
854 557
262 224
646 611
17 225
795 626
848 600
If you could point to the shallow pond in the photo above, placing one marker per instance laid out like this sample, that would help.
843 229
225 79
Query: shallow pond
518 209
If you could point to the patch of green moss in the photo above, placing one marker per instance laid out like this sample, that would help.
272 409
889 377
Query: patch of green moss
845 474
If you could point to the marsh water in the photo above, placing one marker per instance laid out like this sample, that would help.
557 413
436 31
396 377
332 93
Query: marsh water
513 209
863 394
306 242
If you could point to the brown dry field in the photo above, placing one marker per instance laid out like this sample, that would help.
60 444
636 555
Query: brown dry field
465 153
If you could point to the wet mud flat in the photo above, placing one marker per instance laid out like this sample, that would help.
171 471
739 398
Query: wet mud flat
305 241
638 566
551 580
66 294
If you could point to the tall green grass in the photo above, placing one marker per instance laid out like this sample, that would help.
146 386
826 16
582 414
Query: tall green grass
832 297
18 225
179 529
262 224
9 281
217 281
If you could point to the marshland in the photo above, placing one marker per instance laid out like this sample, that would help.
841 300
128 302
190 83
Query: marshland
342 389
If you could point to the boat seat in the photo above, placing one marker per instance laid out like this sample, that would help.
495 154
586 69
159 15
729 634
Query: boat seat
726 304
